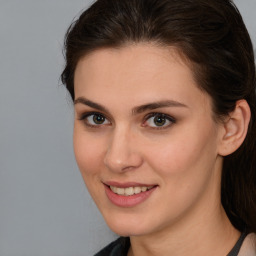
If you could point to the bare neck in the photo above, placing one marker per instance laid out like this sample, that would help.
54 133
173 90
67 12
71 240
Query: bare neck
212 234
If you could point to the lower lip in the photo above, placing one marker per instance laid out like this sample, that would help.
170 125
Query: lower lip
128 201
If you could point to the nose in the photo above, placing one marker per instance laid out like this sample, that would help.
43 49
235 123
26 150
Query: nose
122 153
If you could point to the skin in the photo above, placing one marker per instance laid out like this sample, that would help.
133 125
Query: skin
184 215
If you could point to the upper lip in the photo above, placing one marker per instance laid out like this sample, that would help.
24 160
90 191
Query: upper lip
127 184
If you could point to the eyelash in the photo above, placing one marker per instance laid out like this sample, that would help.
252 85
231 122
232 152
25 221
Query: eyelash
171 119
84 117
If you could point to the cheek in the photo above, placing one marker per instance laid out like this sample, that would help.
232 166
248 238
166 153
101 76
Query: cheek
184 168
185 154
88 153
89 157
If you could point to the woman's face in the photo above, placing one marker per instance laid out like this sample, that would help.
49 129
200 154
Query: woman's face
144 139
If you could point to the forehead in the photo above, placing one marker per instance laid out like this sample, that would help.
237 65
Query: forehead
141 72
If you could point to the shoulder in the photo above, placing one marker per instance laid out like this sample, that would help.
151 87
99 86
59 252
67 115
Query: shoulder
117 248
249 246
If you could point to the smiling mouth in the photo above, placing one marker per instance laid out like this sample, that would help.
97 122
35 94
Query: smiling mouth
128 194
130 190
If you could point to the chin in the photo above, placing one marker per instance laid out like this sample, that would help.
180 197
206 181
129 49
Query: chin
128 226
128 231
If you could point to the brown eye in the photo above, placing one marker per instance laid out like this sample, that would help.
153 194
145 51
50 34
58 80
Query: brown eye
95 119
159 120
98 119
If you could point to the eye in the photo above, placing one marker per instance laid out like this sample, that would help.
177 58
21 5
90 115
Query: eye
94 119
158 120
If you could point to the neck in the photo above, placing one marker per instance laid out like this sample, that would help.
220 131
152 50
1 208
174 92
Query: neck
202 238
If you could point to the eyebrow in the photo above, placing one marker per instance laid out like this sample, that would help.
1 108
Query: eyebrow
158 104
91 104
135 110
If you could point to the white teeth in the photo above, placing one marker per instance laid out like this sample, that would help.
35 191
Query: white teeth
114 189
143 189
129 191
120 191
137 190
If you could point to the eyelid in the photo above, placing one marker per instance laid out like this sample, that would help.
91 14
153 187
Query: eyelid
150 115
89 113
85 115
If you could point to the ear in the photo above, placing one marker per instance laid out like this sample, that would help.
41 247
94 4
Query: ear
235 128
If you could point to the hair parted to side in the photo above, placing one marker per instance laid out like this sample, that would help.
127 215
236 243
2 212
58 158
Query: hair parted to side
213 38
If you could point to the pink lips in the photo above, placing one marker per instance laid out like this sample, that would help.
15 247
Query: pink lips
127 201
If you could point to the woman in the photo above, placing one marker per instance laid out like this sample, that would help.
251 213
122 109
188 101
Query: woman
164 131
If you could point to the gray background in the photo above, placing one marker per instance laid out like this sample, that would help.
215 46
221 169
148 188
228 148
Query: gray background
45 209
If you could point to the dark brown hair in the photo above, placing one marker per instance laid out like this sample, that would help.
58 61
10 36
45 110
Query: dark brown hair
213 37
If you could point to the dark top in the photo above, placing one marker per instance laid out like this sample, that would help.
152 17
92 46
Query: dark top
121 246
